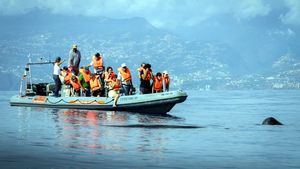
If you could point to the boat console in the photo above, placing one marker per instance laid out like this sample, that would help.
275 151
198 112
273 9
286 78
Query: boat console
41 89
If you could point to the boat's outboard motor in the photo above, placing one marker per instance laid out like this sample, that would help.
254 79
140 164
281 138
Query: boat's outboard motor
37 89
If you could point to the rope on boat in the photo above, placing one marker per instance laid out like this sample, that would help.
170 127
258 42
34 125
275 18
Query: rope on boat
77 100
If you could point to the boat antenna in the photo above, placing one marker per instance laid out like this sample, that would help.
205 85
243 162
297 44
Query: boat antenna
29 72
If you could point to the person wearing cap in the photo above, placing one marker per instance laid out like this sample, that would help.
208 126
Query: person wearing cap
166 81
74 59
124 76
56 74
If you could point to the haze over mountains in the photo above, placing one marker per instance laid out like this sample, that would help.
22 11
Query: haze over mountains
250 55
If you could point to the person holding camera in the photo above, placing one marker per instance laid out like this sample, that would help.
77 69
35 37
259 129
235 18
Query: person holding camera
145 78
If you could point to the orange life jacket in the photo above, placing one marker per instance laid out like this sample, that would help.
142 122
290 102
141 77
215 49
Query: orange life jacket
158 84
97 62
167 80
67 78
86 76
126 75
115 85
111 75
94 83
76 85
148 76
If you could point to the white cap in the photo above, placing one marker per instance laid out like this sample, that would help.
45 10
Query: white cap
123 65
165 72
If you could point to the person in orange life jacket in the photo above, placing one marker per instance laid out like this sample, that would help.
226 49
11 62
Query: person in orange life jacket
145 78
157 83
166 81
99 68
84 79
124 76
56 73
76 86
66 75
97 62
114 89
74 59
108 75
95 85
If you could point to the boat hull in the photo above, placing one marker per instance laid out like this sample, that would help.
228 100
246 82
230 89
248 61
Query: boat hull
158 103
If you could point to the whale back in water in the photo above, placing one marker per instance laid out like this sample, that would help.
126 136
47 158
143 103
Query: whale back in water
271 121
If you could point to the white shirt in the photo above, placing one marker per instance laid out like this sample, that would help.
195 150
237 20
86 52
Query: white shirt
56 69
120 77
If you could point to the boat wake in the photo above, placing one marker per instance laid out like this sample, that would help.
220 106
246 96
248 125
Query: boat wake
155 126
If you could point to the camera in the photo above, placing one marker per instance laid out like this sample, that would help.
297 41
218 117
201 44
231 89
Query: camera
147 65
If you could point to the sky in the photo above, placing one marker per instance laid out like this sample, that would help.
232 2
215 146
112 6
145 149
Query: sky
163 13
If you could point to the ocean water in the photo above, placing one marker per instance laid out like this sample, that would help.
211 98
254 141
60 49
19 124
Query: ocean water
225 133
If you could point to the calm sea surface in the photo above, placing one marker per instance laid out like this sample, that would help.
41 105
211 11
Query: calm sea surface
229 134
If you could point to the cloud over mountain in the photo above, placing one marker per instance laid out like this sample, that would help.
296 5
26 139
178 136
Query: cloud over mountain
166 14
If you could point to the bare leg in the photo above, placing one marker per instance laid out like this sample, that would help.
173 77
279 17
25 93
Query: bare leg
116 100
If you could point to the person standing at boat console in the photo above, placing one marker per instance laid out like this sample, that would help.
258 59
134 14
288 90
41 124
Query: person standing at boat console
56 73
74 60
124 76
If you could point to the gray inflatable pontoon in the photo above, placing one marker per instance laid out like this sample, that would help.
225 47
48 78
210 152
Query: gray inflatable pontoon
157 103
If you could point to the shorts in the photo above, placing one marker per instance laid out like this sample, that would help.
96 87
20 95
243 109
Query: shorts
112 93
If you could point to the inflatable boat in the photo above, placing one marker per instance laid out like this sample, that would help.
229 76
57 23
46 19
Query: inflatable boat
39 95
157 103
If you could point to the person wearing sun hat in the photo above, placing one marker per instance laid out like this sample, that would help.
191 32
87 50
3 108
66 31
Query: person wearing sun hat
74 59
124 76
166 81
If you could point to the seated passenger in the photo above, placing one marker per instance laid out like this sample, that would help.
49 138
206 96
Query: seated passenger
67 75
166 81
84 79
114 89
108 75
157 83
95 85
76 86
